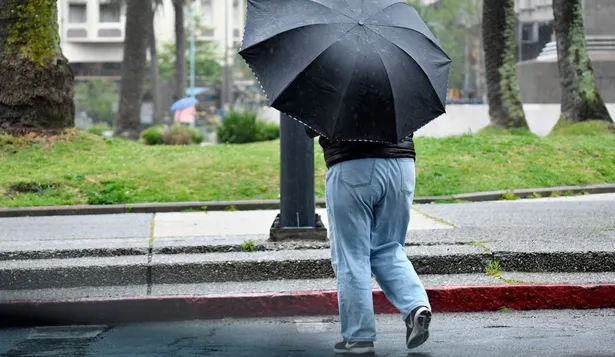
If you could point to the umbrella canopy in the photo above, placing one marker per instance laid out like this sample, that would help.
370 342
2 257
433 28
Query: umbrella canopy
365 70
184 103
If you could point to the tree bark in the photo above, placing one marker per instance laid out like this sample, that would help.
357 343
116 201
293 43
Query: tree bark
36 82
180 49
505 106
157 113
581 99
138 18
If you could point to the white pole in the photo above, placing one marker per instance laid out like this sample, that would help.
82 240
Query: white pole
227 81
192 50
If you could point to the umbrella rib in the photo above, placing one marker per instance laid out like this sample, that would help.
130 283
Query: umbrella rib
385 70
336 10
351 10
362 8
293 29
432 91
409 29
309 63
344 94
386 8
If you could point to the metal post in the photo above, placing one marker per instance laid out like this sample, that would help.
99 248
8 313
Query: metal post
297 219
297 203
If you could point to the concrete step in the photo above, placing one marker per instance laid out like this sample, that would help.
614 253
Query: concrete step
155 269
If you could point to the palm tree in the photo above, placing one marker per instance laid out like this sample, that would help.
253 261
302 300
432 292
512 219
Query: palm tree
581 100
503 92
180 49
36 82
138 19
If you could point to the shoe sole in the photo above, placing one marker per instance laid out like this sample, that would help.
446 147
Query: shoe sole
356 351
420 332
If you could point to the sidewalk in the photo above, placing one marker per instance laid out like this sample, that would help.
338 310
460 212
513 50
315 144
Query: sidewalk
514 247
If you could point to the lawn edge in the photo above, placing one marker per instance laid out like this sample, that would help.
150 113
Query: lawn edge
249 205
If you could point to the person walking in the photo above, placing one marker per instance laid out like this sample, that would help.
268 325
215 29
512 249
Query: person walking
369 192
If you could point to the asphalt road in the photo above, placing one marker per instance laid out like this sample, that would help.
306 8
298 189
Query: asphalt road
589 333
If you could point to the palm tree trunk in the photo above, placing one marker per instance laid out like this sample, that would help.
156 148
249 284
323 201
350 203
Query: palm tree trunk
180 49
505 106
155 72
36 82
138 18
581 100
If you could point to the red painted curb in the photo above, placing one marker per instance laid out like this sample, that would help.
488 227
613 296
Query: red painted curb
169 308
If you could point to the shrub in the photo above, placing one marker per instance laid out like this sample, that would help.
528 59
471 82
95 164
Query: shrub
175 135
153 135
244 127
238 128
99 129
268 131
197 136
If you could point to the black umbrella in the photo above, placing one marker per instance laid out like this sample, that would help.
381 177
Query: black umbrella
349 69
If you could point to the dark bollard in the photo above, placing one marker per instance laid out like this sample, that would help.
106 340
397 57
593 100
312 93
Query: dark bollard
297 218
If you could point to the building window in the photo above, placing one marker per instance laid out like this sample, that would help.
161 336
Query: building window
238 15
109 13
77 13
207 11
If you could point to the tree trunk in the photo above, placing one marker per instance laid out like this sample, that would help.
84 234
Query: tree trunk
155 68
505 106
36 82
138 18
180 49
581 100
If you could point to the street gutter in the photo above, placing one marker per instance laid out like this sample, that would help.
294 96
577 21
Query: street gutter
24 313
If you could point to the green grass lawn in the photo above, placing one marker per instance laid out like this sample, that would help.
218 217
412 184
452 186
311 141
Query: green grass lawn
80 168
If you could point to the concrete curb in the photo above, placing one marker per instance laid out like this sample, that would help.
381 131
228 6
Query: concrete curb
22 313
237 267
275 204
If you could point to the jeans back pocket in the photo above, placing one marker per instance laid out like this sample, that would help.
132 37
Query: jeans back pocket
357 173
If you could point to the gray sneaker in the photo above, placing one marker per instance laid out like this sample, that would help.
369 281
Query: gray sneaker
417 327
354 348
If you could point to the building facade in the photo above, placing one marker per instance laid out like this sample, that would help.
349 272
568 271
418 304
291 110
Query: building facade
538 68
92 31
536 35
535 27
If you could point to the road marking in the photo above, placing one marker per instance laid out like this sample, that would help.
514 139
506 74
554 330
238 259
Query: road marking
312 326
66 332
60 341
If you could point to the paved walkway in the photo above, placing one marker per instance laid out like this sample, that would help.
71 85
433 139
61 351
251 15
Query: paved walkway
569 238
576 213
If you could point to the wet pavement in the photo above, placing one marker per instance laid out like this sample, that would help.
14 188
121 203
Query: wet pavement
580 333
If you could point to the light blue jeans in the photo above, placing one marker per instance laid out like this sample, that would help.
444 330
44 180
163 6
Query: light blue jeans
368 206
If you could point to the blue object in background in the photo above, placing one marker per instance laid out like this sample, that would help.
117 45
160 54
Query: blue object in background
184 103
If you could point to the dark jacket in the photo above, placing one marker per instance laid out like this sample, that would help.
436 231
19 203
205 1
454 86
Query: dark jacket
339 151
